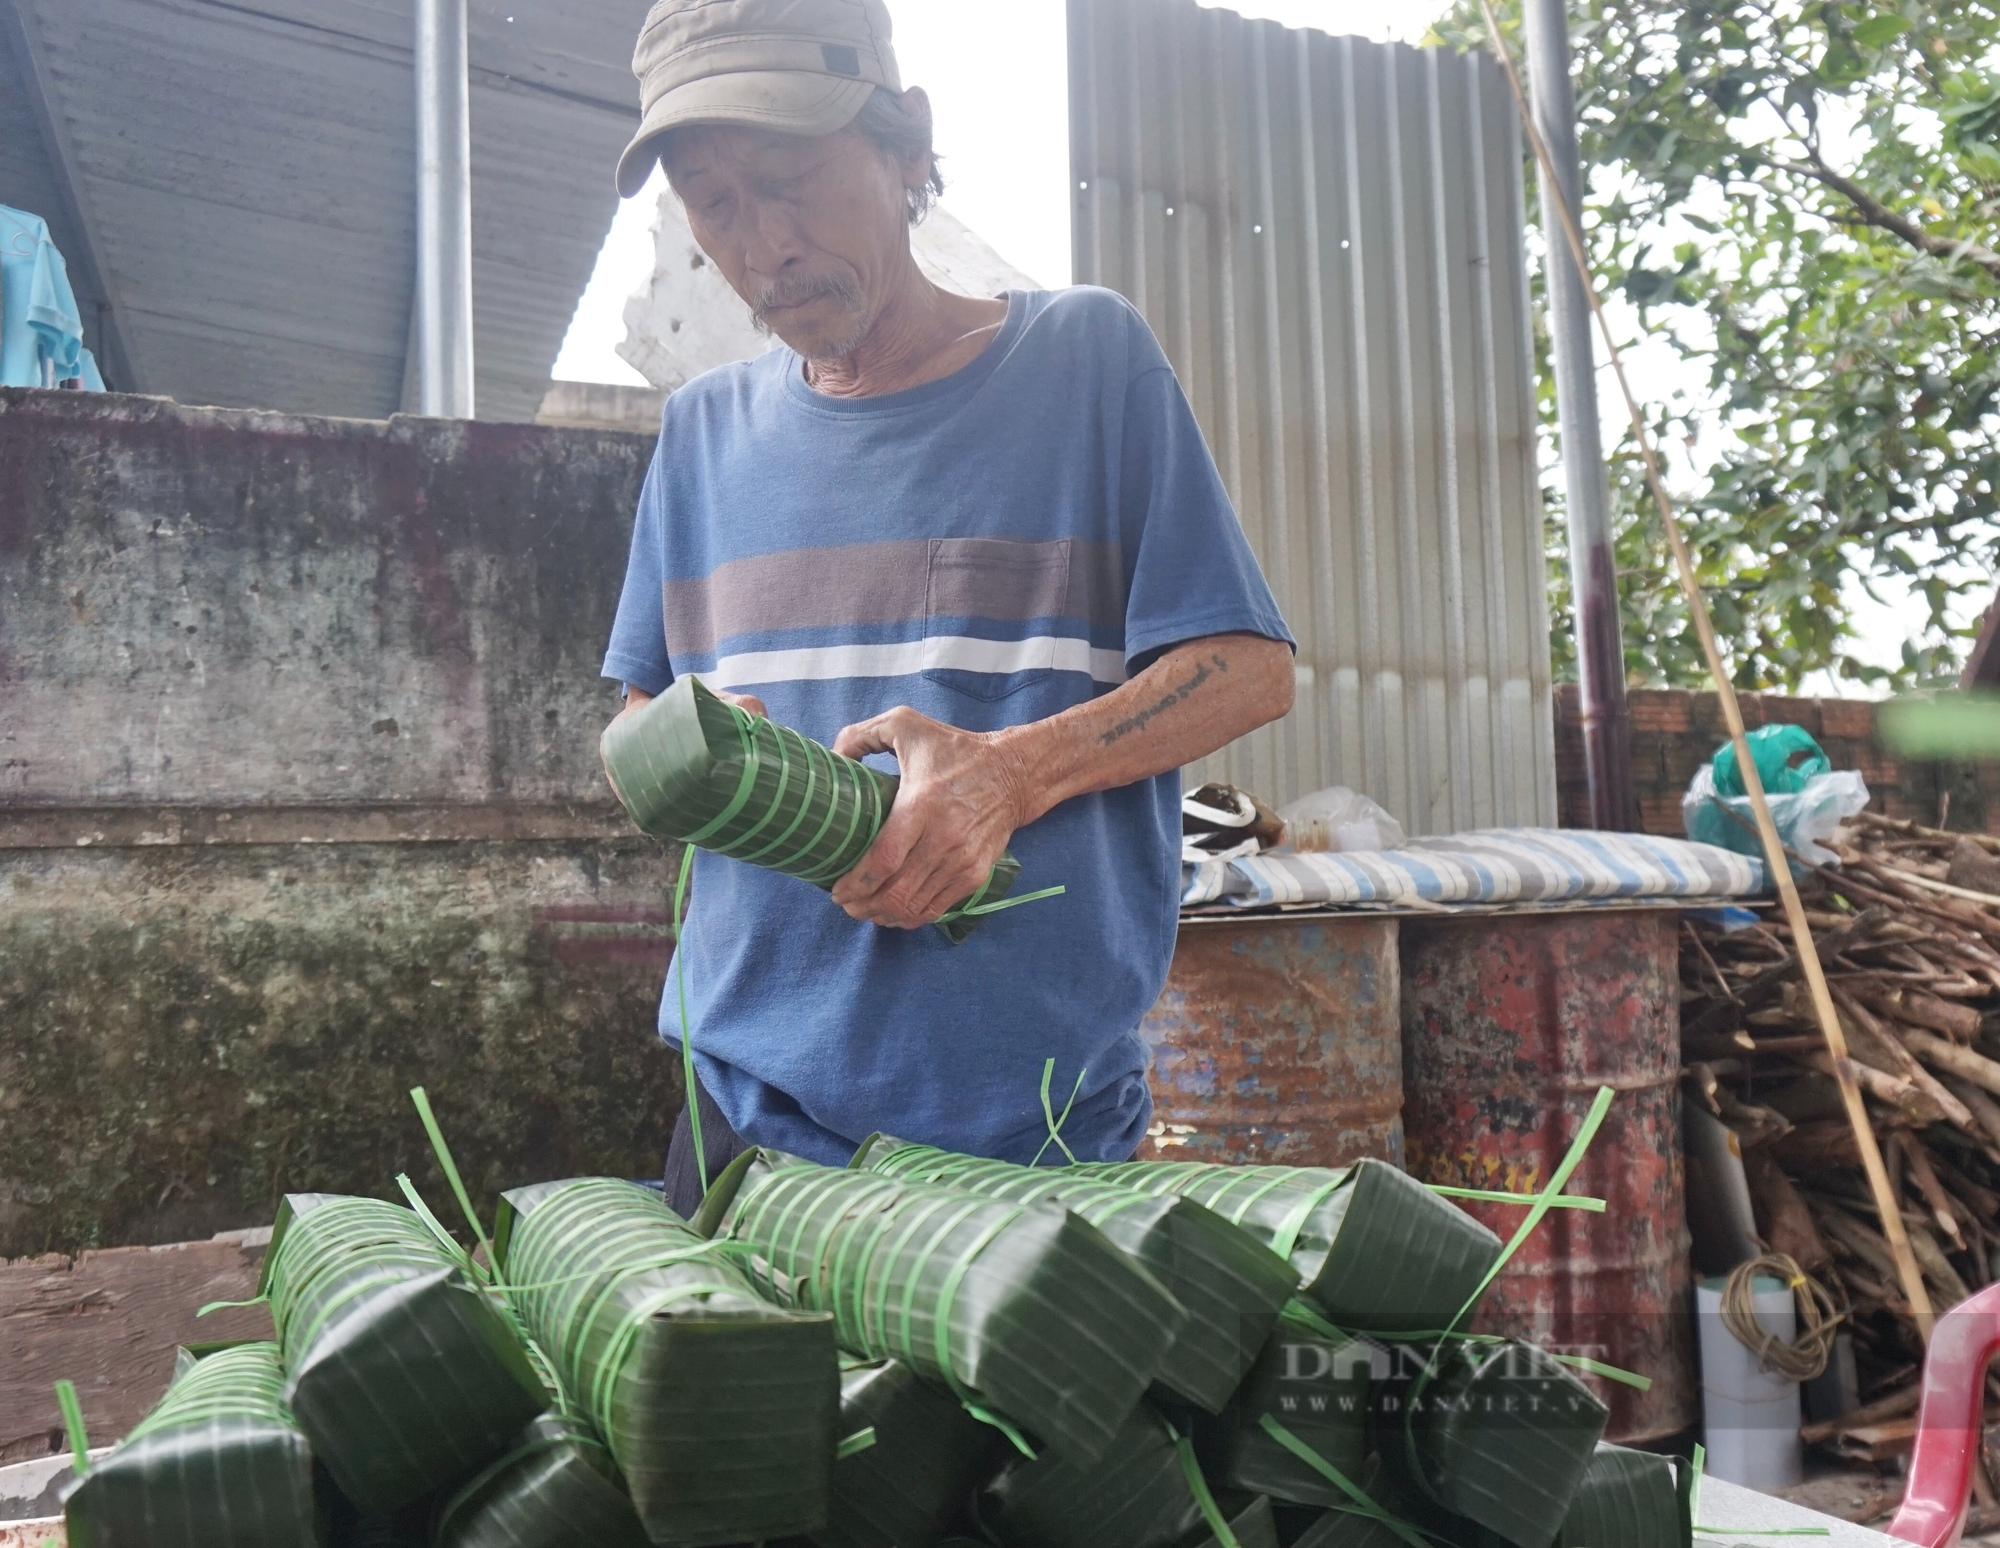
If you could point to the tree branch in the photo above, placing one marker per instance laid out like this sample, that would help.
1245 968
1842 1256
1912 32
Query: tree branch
1874 212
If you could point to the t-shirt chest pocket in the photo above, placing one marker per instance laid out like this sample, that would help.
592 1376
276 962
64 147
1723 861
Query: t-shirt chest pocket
991 611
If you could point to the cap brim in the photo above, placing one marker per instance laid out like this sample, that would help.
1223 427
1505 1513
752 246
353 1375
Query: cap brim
788 101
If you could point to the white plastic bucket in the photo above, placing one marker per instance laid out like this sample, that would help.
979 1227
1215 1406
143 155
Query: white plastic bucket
1750 1418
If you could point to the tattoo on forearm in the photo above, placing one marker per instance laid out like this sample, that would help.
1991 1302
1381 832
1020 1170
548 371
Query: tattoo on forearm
1138 720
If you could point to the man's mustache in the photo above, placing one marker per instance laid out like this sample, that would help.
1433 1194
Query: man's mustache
796 292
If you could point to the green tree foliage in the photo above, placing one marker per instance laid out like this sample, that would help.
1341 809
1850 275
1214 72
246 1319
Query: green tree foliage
1803 199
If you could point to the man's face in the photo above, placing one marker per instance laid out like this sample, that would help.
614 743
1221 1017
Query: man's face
812 232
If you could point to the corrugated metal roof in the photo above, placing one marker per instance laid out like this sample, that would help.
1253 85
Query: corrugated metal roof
246 172
1326 234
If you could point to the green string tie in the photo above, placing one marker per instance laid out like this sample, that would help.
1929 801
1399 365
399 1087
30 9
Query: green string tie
79 1437
1048 1113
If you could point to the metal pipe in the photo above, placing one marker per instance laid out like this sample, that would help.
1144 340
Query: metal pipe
1600 644
444 211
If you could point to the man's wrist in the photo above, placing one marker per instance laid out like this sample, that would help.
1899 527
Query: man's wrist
1021 752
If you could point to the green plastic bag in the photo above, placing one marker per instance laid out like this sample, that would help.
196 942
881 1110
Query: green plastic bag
1144 1491
693 767
721 1409
406 1377
1231 1285
218 1463
1378 1251
1025 1312
911 1483
555 1487
1773 749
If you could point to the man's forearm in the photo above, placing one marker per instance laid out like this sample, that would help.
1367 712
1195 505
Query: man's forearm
1196 698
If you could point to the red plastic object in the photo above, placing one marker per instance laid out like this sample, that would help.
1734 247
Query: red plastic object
1965 1339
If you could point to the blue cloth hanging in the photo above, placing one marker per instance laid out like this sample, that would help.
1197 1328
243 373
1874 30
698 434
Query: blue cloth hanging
41 333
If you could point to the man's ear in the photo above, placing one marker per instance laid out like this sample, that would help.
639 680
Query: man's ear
917 169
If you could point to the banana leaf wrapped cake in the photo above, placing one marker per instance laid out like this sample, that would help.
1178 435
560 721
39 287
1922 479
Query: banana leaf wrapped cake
1232 1286
906 1488
1317 1389
693 767
555 1487
219 1463
1378 1251
721 1408
1503 1434
1144 1491
1024 1311
1634 1499
404 1374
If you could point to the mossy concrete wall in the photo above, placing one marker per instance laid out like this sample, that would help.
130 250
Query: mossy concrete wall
300 807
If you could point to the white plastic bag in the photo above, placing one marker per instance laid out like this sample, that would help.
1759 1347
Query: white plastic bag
1339 819
1804 817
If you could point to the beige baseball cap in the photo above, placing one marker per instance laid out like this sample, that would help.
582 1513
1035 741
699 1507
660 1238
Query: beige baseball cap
797 66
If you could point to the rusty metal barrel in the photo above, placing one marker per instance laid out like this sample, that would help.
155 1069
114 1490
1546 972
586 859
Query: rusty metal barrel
1277 1039
1510 1025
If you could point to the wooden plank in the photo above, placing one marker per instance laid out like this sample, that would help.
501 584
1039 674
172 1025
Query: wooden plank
110 1321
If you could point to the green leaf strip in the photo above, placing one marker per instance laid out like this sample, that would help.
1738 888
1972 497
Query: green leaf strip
851 1445
688 1085
79 1437
444 1157
1363 1504
1198 1487
246 1382
1048 1113
1494 1196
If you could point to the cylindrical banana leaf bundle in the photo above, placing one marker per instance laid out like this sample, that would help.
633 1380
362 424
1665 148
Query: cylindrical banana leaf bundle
218 1463
691 766
555 1487
1138 1494
403 1373
1502 1434
1232 1287
1632 1499
906 1489
1317 1388
1024 1311
1377 1250
721 1409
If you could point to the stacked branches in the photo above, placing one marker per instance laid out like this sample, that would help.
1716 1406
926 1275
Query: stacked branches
1908 929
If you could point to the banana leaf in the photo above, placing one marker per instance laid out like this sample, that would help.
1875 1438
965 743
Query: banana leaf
1318 1389
1140 1493
406 1529
1377 1250
1503 1435
1024 1311
406 1376
906 1489
218 1463
693 767
556 1487
721 1409
1628 1499
1231 1286
1348 1529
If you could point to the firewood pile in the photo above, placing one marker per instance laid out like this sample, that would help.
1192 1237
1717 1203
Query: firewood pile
1908 929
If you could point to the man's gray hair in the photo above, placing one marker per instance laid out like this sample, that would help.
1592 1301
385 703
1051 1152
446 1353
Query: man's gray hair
904 135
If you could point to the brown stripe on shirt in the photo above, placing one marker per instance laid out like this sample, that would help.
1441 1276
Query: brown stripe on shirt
896 582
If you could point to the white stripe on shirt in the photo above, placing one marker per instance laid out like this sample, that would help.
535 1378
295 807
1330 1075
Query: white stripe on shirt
950 652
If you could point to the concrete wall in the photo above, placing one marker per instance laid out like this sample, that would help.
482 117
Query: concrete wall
300 806
1675 732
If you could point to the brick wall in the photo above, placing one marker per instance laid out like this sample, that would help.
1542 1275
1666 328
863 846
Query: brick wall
1674 732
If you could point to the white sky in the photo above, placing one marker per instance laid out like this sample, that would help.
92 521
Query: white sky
1000 95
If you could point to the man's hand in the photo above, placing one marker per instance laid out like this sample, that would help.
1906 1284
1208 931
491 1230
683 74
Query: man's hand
963 795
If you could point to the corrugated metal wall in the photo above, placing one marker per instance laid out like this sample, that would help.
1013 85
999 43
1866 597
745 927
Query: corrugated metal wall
1326 234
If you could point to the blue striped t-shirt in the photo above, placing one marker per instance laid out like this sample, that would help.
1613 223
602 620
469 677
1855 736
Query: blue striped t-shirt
990 549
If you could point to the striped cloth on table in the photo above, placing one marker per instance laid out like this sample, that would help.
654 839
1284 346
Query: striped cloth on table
1494 865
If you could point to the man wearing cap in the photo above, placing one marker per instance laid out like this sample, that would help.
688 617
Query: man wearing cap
981 535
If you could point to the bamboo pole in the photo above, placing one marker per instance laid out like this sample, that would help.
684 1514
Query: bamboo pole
1775 859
